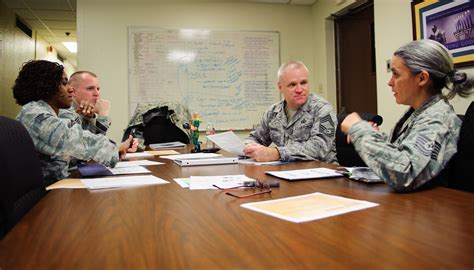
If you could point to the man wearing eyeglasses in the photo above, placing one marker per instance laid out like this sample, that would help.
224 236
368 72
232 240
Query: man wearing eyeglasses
302 126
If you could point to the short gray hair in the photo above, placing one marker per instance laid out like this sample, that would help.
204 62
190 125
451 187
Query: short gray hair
433 57
290 65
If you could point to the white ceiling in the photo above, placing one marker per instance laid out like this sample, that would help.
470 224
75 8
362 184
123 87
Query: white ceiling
53 19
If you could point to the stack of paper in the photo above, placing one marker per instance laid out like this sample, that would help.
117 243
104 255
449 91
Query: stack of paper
129 181
167 145
308 207
162 152
305 174
205 161
109 182
135 163
192 156
139 155
207 182
197 159
96 169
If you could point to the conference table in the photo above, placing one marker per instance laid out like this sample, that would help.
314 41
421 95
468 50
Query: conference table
170 227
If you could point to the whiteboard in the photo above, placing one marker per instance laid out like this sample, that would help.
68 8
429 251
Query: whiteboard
228 77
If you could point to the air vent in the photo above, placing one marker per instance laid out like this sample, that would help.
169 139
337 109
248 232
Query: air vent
23 27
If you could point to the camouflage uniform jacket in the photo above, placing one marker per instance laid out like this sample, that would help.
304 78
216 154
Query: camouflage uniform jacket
57 140
98 125
310 134
427 140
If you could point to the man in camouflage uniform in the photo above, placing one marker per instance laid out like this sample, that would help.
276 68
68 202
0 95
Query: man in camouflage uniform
94 110
302 126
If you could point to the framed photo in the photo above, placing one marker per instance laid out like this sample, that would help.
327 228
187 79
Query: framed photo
449 22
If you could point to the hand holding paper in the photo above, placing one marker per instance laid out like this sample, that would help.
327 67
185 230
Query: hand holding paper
229 142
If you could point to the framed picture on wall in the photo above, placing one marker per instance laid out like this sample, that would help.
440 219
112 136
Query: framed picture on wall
449 22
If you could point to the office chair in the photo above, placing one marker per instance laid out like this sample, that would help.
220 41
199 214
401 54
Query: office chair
458 172
346 153
21 184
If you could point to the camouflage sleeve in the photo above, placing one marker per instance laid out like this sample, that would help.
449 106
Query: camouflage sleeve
60 136
418 158
314 139
98 125
103 123
261 134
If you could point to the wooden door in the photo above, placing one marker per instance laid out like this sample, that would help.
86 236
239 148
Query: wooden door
355 61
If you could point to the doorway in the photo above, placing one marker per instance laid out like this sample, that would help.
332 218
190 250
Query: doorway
355 60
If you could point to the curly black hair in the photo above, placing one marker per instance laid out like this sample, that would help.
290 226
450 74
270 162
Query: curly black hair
37 80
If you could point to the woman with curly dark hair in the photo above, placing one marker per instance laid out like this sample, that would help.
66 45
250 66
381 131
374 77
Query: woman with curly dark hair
42 89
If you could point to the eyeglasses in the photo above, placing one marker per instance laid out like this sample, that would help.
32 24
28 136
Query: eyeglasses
264 186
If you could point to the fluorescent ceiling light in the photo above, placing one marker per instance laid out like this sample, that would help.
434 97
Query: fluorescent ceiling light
71 46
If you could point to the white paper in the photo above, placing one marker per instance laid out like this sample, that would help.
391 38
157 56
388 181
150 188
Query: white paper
192 156
182 182
135 163
308 207
206 161
223 181
138 155
229 142
128 181
305 174
253 162
128 170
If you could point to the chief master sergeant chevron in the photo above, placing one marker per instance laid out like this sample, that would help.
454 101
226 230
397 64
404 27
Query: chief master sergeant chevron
302 126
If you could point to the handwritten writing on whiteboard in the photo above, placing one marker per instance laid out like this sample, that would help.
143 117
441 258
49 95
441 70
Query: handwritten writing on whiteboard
228 77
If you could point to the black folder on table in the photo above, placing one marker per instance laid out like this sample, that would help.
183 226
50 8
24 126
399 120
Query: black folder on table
93 169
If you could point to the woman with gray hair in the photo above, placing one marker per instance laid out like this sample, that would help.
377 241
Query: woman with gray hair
425 138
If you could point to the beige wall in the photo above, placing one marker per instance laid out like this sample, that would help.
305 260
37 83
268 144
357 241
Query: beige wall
306 35
393 27
102 36
324 54
17 48
42 53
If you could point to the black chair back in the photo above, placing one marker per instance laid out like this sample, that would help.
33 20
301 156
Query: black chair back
346 154
458 172
21 184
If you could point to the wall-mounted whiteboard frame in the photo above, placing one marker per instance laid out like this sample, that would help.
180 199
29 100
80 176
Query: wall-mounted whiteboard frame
228 77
